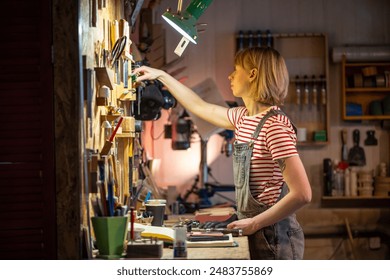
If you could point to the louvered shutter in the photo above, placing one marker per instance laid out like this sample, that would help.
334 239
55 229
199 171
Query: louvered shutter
27 171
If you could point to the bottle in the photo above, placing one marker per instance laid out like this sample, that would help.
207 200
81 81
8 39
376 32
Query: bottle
180 242
347 185
338 180
327 176
353 182
382 169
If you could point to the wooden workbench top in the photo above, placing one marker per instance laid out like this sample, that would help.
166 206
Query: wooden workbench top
240 252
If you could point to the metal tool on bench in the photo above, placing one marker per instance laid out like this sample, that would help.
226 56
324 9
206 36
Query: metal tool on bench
236 232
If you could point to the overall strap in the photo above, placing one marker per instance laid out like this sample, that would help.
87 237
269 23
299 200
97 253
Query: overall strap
270 113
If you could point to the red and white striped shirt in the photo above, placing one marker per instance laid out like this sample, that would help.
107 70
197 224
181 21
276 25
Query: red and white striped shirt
276 140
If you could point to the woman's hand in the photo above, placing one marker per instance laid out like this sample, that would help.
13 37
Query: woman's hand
190 100
147 73
247 225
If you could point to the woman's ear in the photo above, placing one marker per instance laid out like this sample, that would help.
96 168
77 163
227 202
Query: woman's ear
253 74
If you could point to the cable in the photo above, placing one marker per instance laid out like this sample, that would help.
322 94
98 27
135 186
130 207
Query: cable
152 133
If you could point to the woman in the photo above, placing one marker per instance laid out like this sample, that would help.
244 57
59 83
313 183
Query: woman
265 159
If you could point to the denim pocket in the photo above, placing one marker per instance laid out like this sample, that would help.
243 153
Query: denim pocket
239 169
297 241
269 235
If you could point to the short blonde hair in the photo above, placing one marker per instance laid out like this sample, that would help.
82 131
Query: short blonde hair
271 83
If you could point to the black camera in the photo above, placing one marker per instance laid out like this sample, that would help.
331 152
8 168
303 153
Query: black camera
151 99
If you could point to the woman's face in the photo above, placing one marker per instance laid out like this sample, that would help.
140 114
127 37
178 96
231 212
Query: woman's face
239 81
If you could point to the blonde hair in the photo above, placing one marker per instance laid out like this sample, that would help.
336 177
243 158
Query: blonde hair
272 80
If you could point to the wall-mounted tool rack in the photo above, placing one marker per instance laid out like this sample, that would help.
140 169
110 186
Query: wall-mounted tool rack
306 56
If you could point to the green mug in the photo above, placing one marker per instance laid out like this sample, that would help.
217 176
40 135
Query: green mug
376 108
386 105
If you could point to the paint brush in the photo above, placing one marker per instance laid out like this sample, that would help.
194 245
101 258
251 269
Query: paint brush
108 144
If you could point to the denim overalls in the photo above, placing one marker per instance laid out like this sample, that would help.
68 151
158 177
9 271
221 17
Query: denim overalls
283 240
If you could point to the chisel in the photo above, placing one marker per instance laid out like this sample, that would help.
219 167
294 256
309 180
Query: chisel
306 91
314 91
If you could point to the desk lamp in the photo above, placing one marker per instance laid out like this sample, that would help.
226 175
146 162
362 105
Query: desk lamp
185 23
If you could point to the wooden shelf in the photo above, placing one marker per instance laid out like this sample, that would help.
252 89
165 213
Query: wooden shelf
367 117
312 143
125 135
353 78
368 89
306 57
364 64
356 202
105 76
109 118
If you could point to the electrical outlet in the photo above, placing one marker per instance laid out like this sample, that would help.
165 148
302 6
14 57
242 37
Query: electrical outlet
374 242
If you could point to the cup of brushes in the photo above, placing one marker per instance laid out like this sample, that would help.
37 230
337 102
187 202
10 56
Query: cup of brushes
110 226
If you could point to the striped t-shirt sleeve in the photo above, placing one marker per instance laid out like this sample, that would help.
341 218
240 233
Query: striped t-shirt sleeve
280 140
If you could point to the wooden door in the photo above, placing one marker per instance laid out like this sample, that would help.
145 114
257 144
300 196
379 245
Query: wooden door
27 170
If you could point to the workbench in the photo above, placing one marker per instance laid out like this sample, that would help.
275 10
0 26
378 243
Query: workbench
240 252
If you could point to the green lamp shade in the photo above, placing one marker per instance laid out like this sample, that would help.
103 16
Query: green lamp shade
185 27
185 24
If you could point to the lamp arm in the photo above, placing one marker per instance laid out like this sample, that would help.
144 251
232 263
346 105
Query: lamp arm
179 6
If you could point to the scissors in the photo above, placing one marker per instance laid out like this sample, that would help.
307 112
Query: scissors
117 50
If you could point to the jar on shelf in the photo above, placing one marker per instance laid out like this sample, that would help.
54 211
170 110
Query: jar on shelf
365 183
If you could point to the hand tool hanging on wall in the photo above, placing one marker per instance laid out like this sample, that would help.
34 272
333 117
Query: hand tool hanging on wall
250 39
117 50
108 144
270 40
323 97
356 156
116 56
314 91
105 42
259 37
114 32
124 31
240 40
298 93
125 75
98 53
93 10
323 90
306 91
371 140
